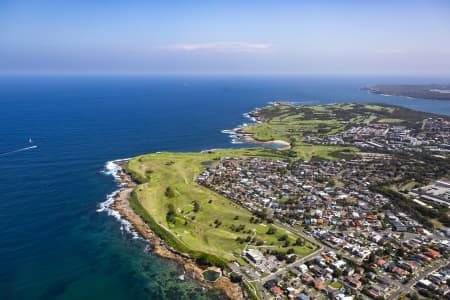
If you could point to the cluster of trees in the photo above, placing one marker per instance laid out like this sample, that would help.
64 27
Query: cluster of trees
249 239
289 255
205 259
299 242
285 238
254 220
239 228
217 223
235 277
280 255
420 213
263 215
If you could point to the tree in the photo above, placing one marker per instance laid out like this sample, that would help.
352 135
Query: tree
280 255
400 252
372 258
169 193
236 278
217 222
291 259
299 242
284 237
413 296
196 206
271 230
170 216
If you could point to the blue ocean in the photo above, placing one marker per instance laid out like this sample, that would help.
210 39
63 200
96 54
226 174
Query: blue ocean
54 244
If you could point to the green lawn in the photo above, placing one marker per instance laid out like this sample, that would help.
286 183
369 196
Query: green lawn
292 122
409 185
197 230
336 284
390 120
306 152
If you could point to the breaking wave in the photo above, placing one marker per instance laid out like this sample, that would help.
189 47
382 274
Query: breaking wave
113 169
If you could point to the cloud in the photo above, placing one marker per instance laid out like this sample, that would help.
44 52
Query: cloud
220 46
390 51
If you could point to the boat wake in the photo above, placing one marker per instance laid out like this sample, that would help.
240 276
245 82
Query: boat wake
113 169
19 150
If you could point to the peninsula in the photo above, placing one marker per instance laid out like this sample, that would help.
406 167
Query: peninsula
425 91
310 218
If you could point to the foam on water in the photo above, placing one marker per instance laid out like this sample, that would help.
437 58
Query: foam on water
112 169
232 132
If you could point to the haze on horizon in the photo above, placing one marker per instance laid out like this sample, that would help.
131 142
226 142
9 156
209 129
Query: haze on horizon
315 37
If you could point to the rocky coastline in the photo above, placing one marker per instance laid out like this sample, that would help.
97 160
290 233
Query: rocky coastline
240 136
121 205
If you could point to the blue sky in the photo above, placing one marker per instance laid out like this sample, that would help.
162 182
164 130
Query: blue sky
314 37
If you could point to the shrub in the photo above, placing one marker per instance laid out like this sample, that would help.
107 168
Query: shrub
284 237
170 216
169 193
236 278
196 206
271 230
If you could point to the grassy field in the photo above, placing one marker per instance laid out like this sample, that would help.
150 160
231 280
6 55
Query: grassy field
196 220
292 123
198 230
409 185
393 120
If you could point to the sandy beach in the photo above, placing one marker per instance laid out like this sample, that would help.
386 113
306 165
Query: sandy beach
240 137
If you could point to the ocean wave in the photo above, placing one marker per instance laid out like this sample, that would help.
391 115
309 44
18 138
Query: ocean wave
232 133
113 169
213 149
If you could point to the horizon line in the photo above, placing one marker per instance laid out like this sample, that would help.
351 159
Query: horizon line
120 73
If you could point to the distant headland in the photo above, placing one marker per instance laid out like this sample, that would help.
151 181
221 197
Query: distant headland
424 91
